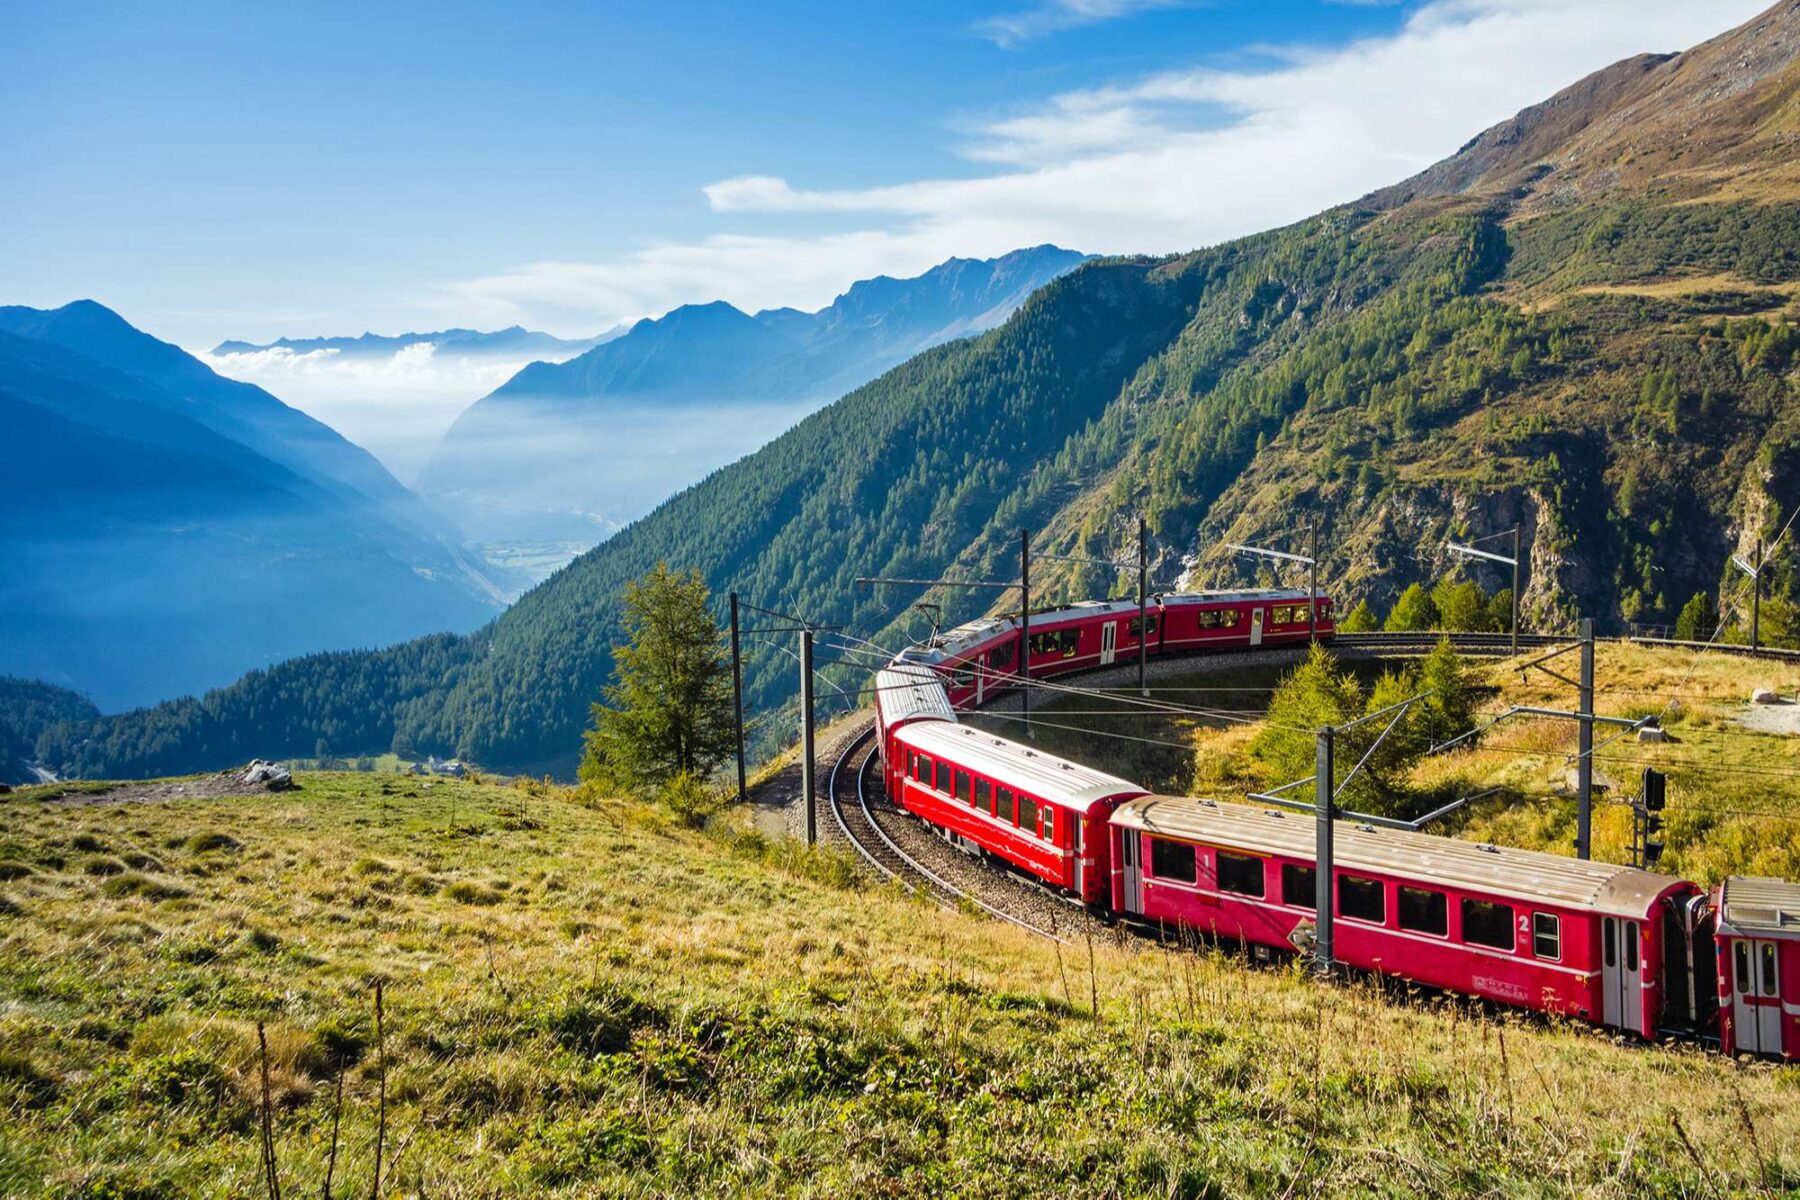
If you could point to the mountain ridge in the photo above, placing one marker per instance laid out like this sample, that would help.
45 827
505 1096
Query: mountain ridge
169 528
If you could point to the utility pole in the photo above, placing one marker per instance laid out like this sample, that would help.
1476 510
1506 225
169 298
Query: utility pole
737 698
806 734
1025 628
1756 599
1324 889
1312 577
1584 765
1143 602
1518 532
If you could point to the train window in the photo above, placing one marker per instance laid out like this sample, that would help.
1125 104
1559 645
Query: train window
1767 953
1229 617
1299 886
1424 911
1028 815
1362 899
983 795
1003 804
1485 923
943 778
1742 958
1048 816
912 764
1207 620
1240 873
1546 936
1137 624
1610 951
1628 936
1172 860
1001 657
1301 616
922 770
965 788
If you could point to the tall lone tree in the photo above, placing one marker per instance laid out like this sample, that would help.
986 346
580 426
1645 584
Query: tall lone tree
667 712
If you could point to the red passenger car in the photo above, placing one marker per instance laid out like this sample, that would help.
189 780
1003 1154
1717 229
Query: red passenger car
1041 813
1533 930
1759 966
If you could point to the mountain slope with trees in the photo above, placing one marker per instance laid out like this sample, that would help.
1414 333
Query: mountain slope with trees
1580 323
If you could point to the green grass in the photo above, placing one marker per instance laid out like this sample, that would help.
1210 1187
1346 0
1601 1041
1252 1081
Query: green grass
638 1009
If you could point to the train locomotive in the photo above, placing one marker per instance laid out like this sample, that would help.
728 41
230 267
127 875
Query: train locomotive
1644 953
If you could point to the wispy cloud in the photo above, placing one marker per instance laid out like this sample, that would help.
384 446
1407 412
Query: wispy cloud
1054 16
1159 163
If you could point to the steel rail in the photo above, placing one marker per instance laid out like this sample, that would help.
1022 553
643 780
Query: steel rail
940 890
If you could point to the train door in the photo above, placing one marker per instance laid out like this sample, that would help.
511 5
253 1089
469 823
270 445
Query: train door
1256 626
1076 824
1133 869
1621 974
981 670
1109 642
1755 996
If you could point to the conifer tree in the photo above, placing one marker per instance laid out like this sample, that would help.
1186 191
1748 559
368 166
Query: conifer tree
667 712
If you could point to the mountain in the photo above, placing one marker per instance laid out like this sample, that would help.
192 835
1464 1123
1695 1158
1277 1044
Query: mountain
1580 323
572 450
166 529
511 342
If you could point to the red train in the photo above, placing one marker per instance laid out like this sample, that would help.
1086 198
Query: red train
1629 949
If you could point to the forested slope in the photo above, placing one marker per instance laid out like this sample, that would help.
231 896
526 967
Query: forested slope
1602 355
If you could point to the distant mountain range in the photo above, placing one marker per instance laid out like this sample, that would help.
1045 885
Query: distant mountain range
511 342
165 529
574 449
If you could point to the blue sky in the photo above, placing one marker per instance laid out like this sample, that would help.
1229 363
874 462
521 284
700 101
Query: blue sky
249 171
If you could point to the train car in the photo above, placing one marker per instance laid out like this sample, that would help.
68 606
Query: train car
1043 814
981 657
1539 931
904 693
1758 942
1246 619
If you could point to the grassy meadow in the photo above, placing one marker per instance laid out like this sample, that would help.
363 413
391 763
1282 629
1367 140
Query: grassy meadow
584 998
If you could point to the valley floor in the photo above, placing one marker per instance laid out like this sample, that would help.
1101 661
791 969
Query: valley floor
582 998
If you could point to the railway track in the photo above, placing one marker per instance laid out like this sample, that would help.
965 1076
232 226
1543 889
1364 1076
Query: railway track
899 848
1467 643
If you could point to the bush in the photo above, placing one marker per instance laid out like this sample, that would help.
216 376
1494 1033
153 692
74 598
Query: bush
690 799
134 883
467 891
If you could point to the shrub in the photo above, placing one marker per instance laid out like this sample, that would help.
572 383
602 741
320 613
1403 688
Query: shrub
690 799
467 891
134 883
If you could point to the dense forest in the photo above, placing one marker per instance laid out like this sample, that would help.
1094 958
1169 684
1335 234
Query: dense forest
1612 371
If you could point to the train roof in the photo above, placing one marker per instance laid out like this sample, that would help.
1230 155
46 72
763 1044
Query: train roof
1529 876
1234 597
1760 906
908 692
1042 775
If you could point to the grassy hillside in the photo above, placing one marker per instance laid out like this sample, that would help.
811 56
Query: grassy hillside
583 1000
1580 324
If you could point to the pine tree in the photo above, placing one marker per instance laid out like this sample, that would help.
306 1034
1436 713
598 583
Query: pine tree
667 712
1361 619
1698 619
1414 610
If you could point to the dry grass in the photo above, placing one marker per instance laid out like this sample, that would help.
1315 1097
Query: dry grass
645 1010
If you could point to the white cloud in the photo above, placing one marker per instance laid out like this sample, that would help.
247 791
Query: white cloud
1054 16
1160 163
395 406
